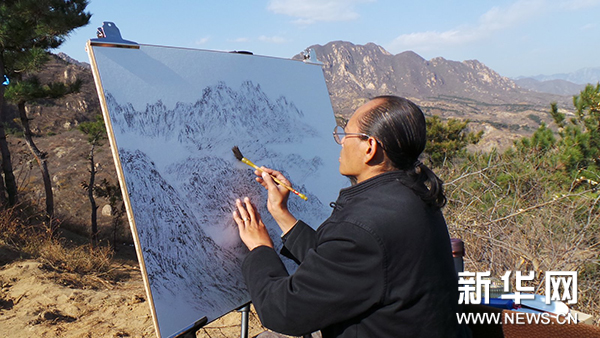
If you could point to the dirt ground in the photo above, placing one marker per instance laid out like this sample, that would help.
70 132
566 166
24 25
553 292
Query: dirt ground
37 300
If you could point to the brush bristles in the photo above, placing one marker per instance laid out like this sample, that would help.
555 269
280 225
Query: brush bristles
237 153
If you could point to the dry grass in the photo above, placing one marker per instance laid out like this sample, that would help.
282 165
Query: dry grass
513 216
35 240
78 259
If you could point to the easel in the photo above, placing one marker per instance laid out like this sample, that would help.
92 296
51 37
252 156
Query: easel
109 36
190 331
245 310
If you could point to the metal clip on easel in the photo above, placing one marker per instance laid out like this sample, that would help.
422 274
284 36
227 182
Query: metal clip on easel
110 36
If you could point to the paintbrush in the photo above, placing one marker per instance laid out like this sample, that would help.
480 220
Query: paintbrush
238 154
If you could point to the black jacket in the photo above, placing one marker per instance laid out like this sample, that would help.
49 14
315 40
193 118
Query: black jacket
379 266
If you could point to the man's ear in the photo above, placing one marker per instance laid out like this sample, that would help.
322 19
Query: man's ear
373 153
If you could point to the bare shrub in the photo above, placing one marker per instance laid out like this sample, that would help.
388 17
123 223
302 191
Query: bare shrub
513 215
36 241
79 259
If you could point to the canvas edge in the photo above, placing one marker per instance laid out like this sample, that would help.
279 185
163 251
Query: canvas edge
121 178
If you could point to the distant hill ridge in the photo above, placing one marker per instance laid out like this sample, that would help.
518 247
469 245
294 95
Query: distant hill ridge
556 86
563 83
582 76
360 71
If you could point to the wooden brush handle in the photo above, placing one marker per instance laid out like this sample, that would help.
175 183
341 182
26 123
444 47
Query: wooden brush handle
302 196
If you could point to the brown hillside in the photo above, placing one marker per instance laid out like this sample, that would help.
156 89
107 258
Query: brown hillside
451 89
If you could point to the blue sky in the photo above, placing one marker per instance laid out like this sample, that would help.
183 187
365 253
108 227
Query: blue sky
512 37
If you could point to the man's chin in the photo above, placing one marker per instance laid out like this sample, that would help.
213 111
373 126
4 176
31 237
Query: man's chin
352 179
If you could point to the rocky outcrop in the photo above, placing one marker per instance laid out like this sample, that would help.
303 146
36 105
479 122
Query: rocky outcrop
356 72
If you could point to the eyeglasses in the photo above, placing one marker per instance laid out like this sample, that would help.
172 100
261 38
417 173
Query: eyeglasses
339 134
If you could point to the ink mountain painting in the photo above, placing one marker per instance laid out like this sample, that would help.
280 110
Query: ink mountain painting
173 116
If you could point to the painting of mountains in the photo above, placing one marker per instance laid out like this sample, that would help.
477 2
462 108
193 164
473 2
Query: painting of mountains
173 116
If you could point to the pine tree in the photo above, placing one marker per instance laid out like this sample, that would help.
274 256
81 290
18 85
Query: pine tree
96 132
448 140
579 145
577 149
29 29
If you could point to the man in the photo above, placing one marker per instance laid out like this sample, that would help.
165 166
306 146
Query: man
381 264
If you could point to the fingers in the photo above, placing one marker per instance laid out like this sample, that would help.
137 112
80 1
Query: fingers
259 174
268 181
252 213
251 228
237 218
272 173
280 177
274 179
246 213
241 213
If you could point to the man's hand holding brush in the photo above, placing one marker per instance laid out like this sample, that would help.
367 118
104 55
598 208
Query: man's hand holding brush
277 197
252 230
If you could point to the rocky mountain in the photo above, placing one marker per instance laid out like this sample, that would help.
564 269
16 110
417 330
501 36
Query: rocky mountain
363 71
466 89
54 116
70 60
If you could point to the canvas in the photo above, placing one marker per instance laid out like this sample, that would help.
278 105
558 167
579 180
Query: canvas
173 116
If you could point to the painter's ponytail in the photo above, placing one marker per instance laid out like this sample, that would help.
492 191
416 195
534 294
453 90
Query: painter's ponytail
433 194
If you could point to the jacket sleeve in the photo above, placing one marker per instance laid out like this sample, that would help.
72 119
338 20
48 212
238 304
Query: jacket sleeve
298 241
341 278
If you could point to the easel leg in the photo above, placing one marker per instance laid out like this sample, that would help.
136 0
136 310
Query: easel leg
245 310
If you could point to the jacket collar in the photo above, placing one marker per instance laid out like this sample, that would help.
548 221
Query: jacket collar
368 184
